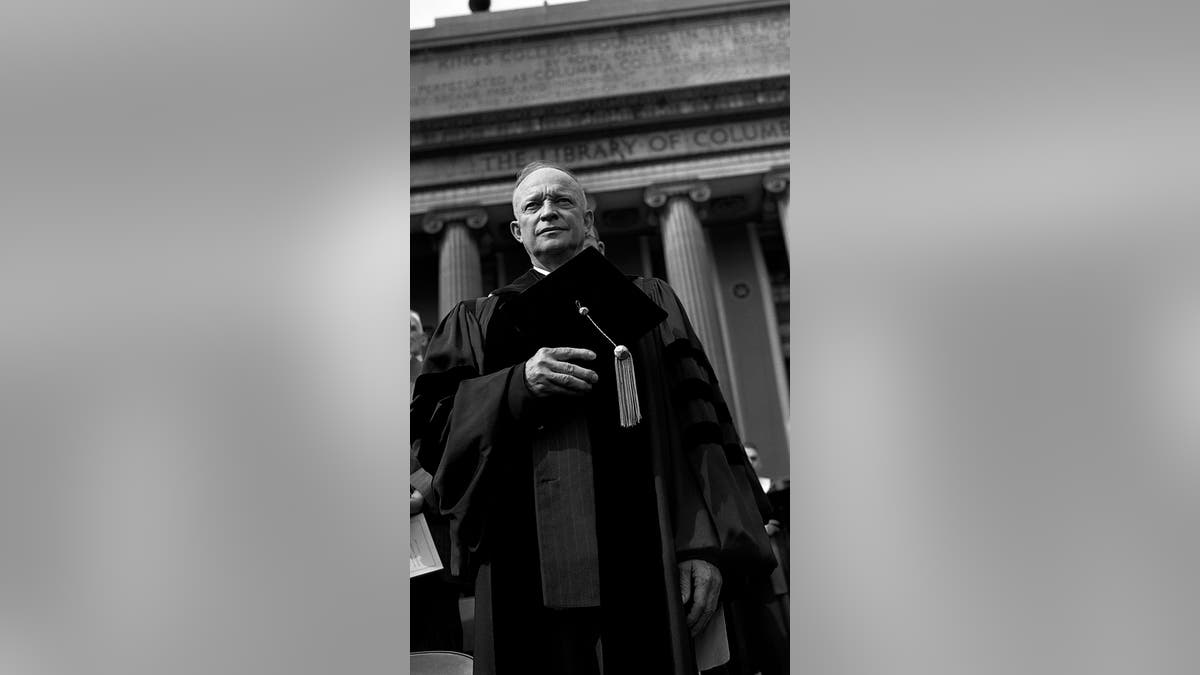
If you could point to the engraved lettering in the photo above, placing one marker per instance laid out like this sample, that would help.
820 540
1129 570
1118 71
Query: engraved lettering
686 52
603 152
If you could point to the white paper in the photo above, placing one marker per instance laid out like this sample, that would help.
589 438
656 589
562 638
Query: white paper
422 554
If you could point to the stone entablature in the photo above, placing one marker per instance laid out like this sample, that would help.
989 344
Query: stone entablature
612 150
605 114
600 62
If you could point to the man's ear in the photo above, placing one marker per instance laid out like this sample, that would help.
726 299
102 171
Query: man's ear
589 220
515 228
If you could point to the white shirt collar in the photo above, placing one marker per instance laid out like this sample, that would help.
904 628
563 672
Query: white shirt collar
535 269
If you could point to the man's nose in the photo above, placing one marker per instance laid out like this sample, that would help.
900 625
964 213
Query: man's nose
547 211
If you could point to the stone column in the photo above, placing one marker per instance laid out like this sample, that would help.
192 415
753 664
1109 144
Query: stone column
459 272
690 269
776 183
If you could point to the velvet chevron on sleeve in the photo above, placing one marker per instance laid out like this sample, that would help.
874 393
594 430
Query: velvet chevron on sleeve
717 506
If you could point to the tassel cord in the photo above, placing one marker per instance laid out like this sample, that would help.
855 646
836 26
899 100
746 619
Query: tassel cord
583 311
630 411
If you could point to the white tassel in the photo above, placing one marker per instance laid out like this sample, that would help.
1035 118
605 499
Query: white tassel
627 397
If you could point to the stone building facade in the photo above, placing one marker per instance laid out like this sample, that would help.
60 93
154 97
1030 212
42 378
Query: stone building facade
675 116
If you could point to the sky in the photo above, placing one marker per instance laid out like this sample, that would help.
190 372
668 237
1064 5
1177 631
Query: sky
421 13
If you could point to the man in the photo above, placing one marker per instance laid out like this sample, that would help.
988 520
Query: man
769 640
595 548
436 624
752 455
417 341
592 238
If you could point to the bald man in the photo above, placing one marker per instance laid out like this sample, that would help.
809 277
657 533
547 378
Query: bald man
594 548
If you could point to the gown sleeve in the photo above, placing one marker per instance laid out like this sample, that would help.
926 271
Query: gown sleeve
459 413
718 508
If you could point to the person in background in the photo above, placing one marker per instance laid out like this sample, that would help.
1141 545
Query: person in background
770 618
592 238
770 487
756 464
434 620
417 342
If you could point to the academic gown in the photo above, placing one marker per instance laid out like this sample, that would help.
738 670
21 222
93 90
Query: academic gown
533 529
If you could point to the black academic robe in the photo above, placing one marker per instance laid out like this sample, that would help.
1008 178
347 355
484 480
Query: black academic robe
676 486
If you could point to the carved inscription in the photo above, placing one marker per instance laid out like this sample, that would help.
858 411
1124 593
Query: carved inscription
603 151
609 62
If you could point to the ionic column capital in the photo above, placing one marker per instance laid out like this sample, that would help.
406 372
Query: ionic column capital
776 181
656 196
474 217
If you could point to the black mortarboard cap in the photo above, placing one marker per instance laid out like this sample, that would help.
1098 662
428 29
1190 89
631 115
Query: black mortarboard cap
584 301
546 313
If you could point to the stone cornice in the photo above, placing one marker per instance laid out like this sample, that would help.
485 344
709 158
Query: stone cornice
601 115
556 19
474 217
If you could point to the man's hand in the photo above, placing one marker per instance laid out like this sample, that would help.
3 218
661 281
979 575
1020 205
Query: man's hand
416 501
547 372
699 583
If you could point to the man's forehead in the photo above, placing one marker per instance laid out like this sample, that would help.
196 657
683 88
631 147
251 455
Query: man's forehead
546 177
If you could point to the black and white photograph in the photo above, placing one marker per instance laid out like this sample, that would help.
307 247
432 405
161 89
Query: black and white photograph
600 333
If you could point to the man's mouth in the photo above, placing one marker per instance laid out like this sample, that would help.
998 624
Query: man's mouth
551 228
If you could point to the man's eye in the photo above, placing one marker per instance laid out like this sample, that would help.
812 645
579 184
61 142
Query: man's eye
564 201
531 206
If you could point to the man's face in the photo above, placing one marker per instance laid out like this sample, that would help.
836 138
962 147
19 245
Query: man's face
416 338
752 455
590 239
552 219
